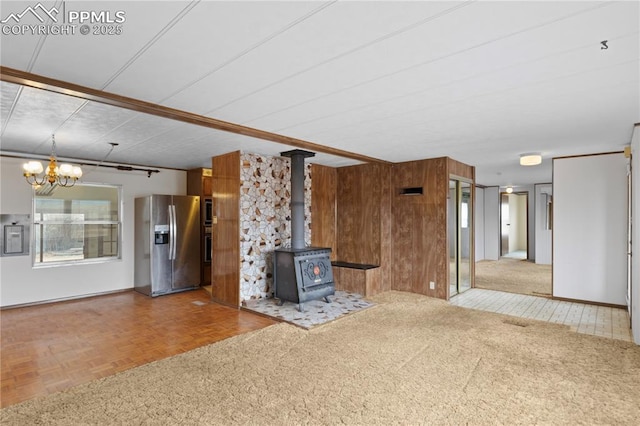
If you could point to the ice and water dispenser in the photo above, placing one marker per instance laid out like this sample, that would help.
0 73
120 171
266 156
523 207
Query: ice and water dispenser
161 234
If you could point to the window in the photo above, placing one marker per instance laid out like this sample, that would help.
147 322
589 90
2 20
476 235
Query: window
77 224
464 214
465 204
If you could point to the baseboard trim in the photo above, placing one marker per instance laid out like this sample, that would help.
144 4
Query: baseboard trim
589 302
64 299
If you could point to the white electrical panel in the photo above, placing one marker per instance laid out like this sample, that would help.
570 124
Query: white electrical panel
14 234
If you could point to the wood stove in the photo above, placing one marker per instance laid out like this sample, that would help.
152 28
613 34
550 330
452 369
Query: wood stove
304 274
301 273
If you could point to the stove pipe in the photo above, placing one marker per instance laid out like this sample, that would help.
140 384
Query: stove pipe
297 195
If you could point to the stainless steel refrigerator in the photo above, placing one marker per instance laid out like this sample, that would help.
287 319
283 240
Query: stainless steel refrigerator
167 244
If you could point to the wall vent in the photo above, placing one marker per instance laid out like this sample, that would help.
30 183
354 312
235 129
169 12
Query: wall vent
417 190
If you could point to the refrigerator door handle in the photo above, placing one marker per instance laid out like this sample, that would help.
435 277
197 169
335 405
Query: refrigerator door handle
175 231
171 231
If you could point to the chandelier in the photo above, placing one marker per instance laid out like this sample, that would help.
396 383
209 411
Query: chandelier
63 174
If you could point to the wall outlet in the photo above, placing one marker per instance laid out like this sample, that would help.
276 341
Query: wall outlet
432 285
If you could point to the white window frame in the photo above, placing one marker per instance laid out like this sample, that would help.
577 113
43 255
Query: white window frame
37 225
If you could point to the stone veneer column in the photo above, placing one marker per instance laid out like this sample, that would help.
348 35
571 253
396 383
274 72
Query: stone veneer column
265 219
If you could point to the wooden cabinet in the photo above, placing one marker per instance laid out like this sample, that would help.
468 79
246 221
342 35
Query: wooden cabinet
199 183
225 276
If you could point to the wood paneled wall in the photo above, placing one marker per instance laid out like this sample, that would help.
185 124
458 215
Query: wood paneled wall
364 217
225 263
386 226
420 227
462 170
361 213
358 215
376 224
324 186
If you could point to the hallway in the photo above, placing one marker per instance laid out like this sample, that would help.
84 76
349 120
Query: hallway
514 276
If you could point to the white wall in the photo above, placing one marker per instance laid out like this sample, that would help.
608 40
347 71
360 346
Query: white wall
20 283
589 235
522 224
529 190
635 214
543 235
517 222
492 223
479 224
531 221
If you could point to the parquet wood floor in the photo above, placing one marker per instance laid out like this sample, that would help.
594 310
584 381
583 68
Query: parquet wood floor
48 348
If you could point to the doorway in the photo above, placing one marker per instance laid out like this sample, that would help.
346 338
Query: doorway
514 237
507 267
460 232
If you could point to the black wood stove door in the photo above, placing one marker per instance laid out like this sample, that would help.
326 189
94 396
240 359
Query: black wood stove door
315 271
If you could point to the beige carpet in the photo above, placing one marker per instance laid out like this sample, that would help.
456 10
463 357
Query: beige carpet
408 360
514 276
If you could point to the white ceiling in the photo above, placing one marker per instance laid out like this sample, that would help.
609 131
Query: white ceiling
481 82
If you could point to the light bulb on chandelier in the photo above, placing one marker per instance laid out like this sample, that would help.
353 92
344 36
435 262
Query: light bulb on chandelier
63 174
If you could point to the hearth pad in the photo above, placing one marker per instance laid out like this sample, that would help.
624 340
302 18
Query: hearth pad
316 312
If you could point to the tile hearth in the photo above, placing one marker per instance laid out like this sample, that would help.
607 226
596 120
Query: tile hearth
316 312
583 318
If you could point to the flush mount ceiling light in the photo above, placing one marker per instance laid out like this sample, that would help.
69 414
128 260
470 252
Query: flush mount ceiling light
509 190
63 175
530 159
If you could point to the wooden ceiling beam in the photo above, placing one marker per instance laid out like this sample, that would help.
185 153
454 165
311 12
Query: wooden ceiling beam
11 75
